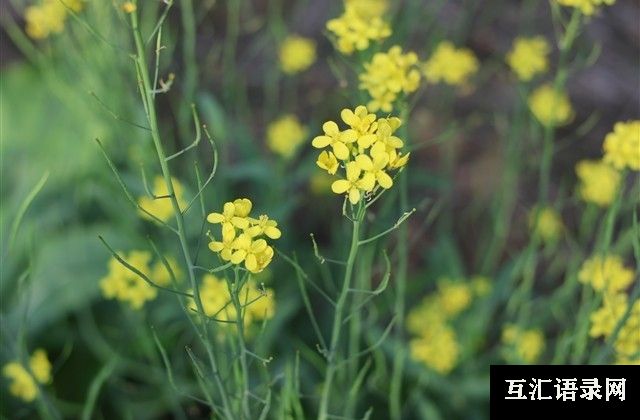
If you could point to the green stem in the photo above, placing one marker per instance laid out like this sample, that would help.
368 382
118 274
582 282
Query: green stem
148 99
558 84
337 320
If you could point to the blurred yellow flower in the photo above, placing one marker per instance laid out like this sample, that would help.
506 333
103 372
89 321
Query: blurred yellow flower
551 108
161 276
23 384
454 296
588 7
48 17
437 348
622 146
320 182
359 25
388 75
528 57
296 54
240 236
129 7
605 273
599 182
285 135
161 206
605 319
546 222
126 286
258 302
523 345
450 65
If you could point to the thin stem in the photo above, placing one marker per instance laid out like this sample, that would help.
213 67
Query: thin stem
337 320
147 94
236 290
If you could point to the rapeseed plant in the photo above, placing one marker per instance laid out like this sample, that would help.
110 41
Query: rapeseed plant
296 54
24 381
450 65
285 135
528 57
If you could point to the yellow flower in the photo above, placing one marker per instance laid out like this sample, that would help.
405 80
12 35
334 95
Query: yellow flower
622 146
126 286
328 161
437 348
245 244
353 185
599 182
376 167
23 384
49 17
161 206
605 273
297 54
428 312
368 8
588 7
525 345
627 343
338 140
454 297
285 134
551 108
387 76
528 57
358 26
360 120
605 319
128 7
40 366
547 223
451 65
258 302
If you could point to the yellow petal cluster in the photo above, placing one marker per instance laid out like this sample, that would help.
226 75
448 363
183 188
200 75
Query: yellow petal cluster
588 7
546 223
604 322
126 286
242 236
528 57
606 273
258 302
24 382
522 345
599 182
622 146
367 151
48 17
450 65
361 23
160 205
435 343
550 107
387 76
296 54
285 135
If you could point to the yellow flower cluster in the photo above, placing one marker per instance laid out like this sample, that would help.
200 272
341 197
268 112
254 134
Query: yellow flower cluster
161 206
528 57
367 150
622 146
387 76
361 23
524 346
126 286
588 7
450 65
605 273
296 54
435 343
599 182
608 276
285 135
241 235
258 302
24 382
550 107
49 17
546 223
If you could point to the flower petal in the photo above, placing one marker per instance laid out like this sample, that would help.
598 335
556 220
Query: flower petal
321 141
340 186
